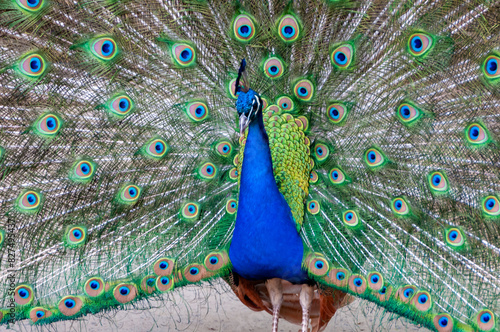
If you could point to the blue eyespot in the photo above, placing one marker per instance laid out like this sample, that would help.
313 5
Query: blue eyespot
186 54
383 290
214 260
349 216
335 176
244 31
77 234
490 204
225 148
340 58
23 293
416 44
358 282
273 69
374 279
199 111
85 168
443 322
453 235
436 179
334 113
405 112
40 314
123 104
485 318
150 282
474 132
398 205
191 209
159 147
423 299
319 151
319 265
124 291
35 64
340 276
302 92
94 285
132 192
69 303
163 265
31 199
164 280
51 123
288 31
210 170
194 271
492 66
107 48
33 3
408 293
372 156
312 205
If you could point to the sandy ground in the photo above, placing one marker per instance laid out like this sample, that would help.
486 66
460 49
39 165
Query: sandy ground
216 308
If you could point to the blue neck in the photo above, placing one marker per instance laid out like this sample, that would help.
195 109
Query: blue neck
265 241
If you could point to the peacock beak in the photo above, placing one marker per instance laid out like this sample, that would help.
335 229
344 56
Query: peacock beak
244 122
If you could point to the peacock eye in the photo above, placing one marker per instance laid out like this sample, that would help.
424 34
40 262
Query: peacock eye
336 113
273 68
197 111
289 28
374 158
244 28
442 321
476 134
438 182
23 295
207 171
29 201
121 105
454 237
190 211
304 90
313 177
184 55
285 103
104 48
419 44
76 236
48 125
129 194
408 114
82 171
485 320
336 176
342 56
313 207
157 148
491 206
223 148
231 206
33 66
350 218
30 5
124 293
491 67
400 207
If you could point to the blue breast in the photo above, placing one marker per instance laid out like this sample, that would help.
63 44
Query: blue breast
265 242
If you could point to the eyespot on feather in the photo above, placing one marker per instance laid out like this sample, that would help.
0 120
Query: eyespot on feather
443 323
233 174
454 237
148 284
120 105
231 87
374 158
163 266
491 67
76 236
375 281
336 113
124 293
29 201
164 283
422 301
94 287
350 218
244 28
304 90
195 273
342 56
23 295
357 283
32 66
384 293
104 48
419 44
183 54
70 305
156 148
47 125
438 182
273 68
231 206
405 293
39 314
339 277
31 6
485 320
197 111
289 28
408 114
321 152
207 171
336 176
476 134
82 171
400 207
491 206
129 194
286 103
313 207
223 148
318 266
313 177
216 260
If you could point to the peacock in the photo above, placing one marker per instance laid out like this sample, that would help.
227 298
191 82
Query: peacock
305 152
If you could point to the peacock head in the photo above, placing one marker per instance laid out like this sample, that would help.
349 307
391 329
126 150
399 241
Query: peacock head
249 103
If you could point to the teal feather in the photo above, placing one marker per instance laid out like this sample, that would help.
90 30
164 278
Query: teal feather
120 150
